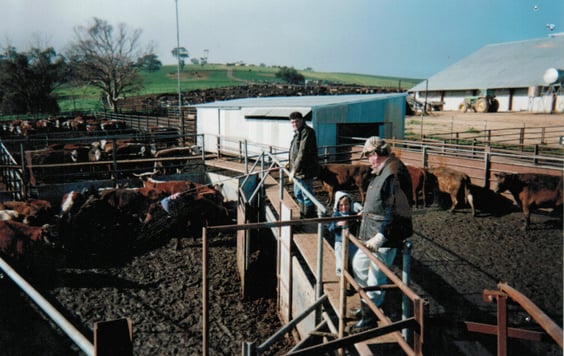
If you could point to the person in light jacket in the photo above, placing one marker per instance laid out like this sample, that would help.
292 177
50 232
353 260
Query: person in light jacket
343 206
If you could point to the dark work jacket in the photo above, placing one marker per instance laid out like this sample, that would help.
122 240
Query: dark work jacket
303 154
387 207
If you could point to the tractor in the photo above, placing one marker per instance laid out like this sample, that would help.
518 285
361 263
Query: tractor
480 103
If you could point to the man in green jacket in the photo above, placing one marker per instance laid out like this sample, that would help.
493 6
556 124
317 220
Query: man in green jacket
303 163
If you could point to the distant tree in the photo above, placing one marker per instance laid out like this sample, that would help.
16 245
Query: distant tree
195 61
107 60
149 62
290 75
28 80
180 53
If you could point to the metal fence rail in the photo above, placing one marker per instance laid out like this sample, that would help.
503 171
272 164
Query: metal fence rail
80 340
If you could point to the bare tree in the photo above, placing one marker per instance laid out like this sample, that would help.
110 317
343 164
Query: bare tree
106 59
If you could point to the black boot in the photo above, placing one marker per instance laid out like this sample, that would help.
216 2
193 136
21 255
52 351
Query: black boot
310 211
356 313
302 210
368 320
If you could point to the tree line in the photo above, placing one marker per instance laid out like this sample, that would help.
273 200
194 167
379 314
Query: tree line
101 55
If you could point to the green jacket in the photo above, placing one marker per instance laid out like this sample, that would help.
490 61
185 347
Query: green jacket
303 154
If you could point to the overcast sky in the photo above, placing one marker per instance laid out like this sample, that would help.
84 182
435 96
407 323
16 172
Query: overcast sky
402 38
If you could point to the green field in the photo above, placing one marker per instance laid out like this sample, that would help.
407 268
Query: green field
165 80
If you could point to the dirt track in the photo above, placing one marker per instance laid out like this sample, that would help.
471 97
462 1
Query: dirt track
456 121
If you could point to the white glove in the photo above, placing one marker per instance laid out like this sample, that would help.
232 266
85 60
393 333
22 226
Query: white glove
357 207
291 176
376 242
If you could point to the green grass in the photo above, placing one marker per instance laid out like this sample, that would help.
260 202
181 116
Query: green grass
194 77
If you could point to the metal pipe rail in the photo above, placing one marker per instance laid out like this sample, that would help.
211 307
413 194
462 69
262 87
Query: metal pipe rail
407 294
502 331
80 340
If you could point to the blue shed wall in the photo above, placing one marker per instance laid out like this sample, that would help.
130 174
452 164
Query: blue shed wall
389 111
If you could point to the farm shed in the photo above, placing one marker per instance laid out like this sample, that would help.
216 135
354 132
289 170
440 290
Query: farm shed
514 72
335 118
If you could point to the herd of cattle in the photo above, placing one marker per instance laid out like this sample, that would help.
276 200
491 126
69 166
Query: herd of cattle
530 191
113 220
93 148
99 221
53 124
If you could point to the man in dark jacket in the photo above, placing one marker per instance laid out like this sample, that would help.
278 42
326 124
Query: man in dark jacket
303 163
386 222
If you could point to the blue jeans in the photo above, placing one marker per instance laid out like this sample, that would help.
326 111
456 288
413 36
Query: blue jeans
298 193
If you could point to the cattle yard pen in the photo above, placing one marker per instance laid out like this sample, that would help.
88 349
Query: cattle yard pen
479 162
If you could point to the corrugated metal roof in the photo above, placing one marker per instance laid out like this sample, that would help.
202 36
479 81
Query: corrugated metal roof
297 101
505 65
275 112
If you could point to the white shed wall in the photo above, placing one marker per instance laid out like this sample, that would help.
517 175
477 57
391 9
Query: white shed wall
234 127
521 101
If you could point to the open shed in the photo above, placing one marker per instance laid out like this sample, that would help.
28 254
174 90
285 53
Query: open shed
337 119
515 72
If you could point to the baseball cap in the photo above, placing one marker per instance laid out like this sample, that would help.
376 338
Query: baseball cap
375 144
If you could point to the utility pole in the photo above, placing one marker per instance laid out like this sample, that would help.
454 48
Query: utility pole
180 114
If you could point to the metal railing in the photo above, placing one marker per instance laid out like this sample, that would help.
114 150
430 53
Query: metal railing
502 331
409 323
80 340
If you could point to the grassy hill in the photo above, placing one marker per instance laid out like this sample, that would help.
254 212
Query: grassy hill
194 77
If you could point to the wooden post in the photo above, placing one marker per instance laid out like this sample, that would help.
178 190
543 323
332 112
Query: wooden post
114 337
205 331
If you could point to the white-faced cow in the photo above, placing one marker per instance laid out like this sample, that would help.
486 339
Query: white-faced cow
8 214
337 176
452 182
531 191
32 212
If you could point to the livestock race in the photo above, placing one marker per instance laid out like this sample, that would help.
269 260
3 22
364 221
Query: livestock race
106 221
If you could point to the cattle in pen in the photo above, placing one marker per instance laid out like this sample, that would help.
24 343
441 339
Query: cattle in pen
452 182
342 176
418 182
16 237
172 160
209 191
532 191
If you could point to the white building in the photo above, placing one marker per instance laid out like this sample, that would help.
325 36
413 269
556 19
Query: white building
513 71
337 119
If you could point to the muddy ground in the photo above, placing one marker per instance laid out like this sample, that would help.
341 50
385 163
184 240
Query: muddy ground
455 257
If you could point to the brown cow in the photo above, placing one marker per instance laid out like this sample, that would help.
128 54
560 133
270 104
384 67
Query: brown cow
177 160
532 190
32 212
453 183
132 201
16 237
194 210
337 176
182 186
418 181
